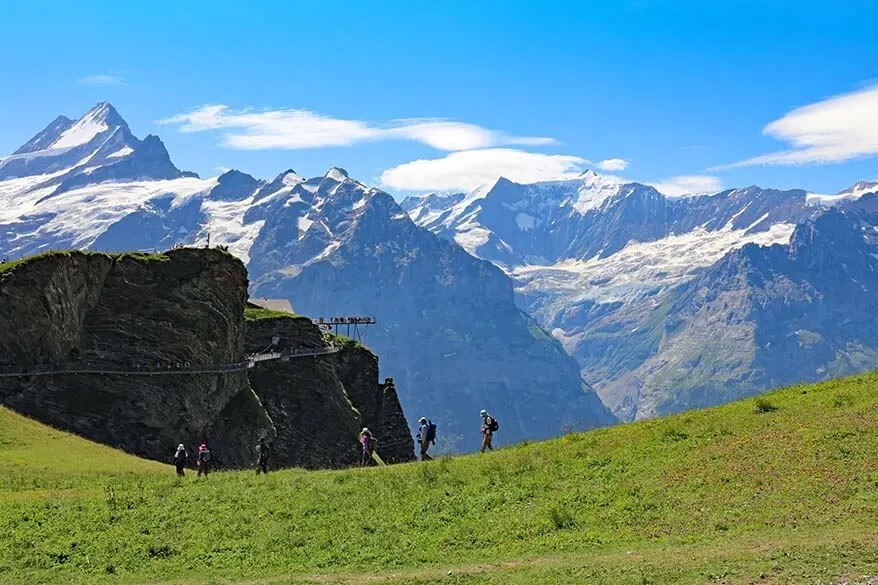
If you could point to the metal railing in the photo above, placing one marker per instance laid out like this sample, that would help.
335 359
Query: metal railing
172 369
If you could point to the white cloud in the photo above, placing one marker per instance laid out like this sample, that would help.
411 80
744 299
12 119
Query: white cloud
464 171
101 79
298 129
613 165
688 185
834 130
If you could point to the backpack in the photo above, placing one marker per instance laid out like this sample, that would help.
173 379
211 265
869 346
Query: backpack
431 432
493 425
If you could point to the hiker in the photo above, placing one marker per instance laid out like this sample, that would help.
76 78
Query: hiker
489 427
262 453
180 459
203 460
368 446
426 435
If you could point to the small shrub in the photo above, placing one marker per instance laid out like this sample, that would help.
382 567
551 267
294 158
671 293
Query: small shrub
561 518
841 400
110 569
674 434
763 405
160 552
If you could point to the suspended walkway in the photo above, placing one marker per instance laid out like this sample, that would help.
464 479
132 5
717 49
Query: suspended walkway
175 369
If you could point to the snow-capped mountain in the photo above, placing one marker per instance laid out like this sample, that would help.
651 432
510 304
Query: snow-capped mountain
449 331
103 172
599 262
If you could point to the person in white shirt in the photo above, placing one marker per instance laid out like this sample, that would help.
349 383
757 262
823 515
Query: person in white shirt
424 438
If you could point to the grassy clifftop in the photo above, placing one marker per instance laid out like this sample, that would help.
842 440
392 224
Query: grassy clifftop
780 490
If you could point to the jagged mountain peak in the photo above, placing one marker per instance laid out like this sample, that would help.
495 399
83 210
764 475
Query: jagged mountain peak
233 174
62 132
337 174
105 112
861 188
100 119
233 185
290 177
46 136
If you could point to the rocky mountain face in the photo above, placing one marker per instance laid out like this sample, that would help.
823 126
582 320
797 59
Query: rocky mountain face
448 327
320 404
103 346
609 268
449 331
73 311
764 317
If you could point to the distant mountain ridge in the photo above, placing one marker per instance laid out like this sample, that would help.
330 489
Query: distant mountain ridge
608 266
449 331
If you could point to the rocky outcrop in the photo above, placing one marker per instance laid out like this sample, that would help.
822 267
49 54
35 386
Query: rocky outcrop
319 404
125 319
142 352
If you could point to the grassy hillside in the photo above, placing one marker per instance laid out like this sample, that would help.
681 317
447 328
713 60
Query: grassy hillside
783 489
38 461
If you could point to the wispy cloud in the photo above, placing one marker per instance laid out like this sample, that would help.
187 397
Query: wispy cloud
834 130
464 171
106 79
300 129
613 165
688 185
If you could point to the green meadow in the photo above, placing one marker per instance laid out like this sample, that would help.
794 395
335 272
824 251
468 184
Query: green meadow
780 489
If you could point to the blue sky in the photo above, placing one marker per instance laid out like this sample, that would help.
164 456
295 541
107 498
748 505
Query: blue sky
420 96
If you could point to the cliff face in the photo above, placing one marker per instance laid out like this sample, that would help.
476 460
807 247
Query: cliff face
132 314
102 346
319 404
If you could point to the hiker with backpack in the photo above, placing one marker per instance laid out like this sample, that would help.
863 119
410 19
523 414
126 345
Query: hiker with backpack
203 460
489 427
180 457
368 442
262 452
426 435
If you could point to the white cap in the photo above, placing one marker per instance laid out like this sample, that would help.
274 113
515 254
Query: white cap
484 413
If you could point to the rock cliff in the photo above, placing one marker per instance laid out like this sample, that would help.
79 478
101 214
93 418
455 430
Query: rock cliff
142 352
135 322
319 404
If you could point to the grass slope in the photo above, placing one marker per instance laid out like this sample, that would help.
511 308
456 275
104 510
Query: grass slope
783 490
38 461
258 313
